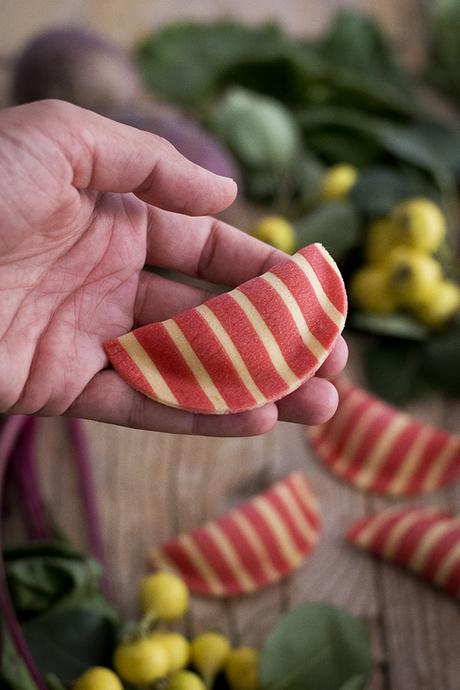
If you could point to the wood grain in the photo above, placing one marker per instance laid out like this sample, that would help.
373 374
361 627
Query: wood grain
152 486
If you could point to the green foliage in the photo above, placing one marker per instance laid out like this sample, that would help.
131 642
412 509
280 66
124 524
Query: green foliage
441 361
66 621
316 647
41 576
336 225
13 671
67 642
444 18
395 370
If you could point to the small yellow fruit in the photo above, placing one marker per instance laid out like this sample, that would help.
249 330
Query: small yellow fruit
443 303
209 653
141 662
338 181
164 595
242 668
412 275
185 680
380 241
278 232
98 678
370 291
177 646
419 223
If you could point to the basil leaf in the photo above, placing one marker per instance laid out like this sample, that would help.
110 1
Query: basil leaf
335 225
316 647
66 642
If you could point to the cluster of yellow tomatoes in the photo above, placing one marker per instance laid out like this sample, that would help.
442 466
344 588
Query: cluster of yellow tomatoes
153 656
401 272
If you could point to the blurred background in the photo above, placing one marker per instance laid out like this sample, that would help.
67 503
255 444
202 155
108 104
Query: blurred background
385 108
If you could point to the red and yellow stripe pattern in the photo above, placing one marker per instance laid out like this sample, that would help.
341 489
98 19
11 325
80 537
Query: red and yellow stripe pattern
250 547
424 540
244 348
379 448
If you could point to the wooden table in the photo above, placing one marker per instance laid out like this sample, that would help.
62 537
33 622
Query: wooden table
151 486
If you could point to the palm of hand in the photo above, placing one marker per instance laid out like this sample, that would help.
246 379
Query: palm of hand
83 294
84 203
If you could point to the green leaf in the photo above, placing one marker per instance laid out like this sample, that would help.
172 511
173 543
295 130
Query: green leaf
66 642
356 42
41 576
184 62
335 225
395 370
53 682
393 325
442 353
379 189
13 671
315 647
444 27
443 141
355 683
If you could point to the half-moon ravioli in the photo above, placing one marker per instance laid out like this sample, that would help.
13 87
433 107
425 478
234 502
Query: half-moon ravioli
244 348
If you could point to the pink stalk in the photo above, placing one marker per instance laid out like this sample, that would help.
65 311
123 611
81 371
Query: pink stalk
9 434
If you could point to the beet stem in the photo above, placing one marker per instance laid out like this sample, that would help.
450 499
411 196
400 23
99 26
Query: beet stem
9 433
88 495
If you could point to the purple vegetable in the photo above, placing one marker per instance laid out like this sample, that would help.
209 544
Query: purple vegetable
9 434
82 463
74 65
24 471
185 134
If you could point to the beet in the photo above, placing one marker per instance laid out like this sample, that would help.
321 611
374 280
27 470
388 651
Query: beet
76 66
188 137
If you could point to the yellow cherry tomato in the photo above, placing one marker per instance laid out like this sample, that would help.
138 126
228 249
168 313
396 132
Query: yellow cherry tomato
370 290
338 182
242 667
278 232
98 678
413 275
209 652
419 223
164 595
141 662
177 646
442 305
380 241
185 680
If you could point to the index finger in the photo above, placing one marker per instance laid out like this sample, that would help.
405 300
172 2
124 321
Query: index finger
107 156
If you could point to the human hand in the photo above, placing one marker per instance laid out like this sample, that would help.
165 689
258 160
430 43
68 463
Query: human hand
84 204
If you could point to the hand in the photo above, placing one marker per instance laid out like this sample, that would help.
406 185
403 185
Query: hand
84 204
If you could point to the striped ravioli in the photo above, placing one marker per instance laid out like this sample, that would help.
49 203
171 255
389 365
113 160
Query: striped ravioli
244 348
423 540
379 448
250 547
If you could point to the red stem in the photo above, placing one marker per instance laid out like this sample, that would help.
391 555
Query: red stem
23 467
83 464
9 434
